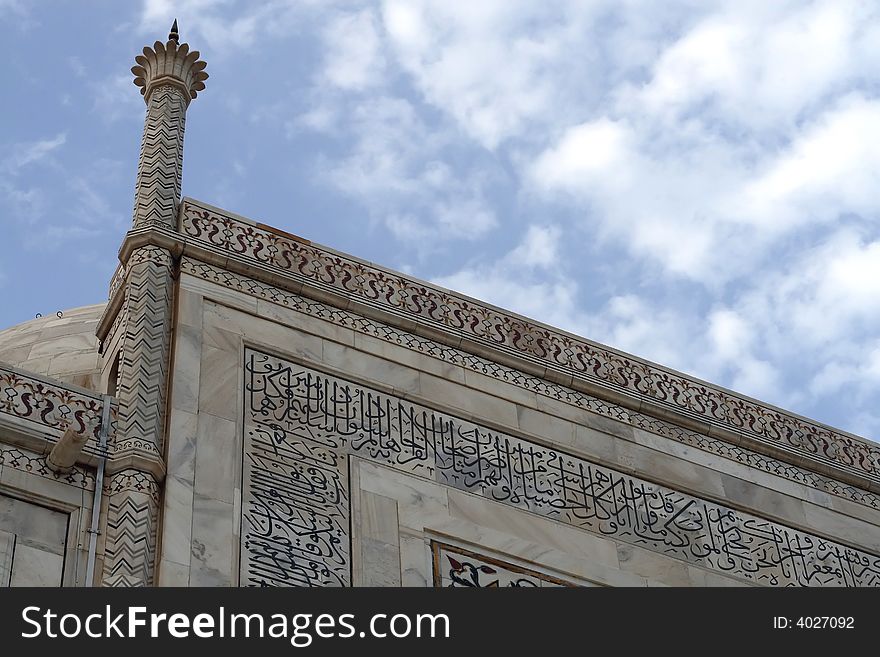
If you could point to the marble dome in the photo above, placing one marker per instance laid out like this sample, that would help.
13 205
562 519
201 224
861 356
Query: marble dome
64 348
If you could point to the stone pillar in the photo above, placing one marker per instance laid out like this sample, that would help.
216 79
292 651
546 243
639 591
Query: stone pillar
170 76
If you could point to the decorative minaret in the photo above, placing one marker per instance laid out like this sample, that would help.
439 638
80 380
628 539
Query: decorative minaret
170 76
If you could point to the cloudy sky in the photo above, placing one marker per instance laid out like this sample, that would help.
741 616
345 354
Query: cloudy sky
694 182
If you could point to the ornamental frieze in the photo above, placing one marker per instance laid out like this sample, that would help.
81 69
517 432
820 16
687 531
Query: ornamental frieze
541 386
53 405
539 344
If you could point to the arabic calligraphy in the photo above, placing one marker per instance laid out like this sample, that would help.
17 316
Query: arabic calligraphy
301 424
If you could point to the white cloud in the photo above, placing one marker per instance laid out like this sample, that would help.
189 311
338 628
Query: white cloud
540 247
394 168
826 294
758 64
386 132
24 154
320 118
760 379
729 333
717 159
527 280
353 57
590 154
661 206
21 200
841 374
683 205
469 218
442 220
831 168
490 63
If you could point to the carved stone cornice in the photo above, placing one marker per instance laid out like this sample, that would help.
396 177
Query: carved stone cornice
820 476
296 265
551 353
141 461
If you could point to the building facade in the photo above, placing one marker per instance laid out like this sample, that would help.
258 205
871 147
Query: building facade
249 408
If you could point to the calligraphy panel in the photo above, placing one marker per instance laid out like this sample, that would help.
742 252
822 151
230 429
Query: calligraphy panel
301 424
295 500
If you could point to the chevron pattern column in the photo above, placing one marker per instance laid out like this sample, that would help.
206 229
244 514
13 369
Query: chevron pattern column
145 351
170 76
161 161
133 505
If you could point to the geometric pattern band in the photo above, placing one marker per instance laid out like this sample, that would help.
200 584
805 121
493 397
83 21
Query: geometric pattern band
130 527
145 350
147 279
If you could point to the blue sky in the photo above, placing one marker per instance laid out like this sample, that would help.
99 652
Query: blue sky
697 183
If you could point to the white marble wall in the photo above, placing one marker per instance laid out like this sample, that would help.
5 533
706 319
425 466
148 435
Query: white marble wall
399 516
33 542
49 516
202 505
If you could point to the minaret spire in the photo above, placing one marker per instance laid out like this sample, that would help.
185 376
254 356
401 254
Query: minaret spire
170 76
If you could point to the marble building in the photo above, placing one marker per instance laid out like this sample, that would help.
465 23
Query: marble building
251 408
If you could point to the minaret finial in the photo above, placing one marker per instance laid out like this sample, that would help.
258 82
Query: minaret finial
170 63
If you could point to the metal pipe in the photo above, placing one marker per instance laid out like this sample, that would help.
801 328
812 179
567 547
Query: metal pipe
99 490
